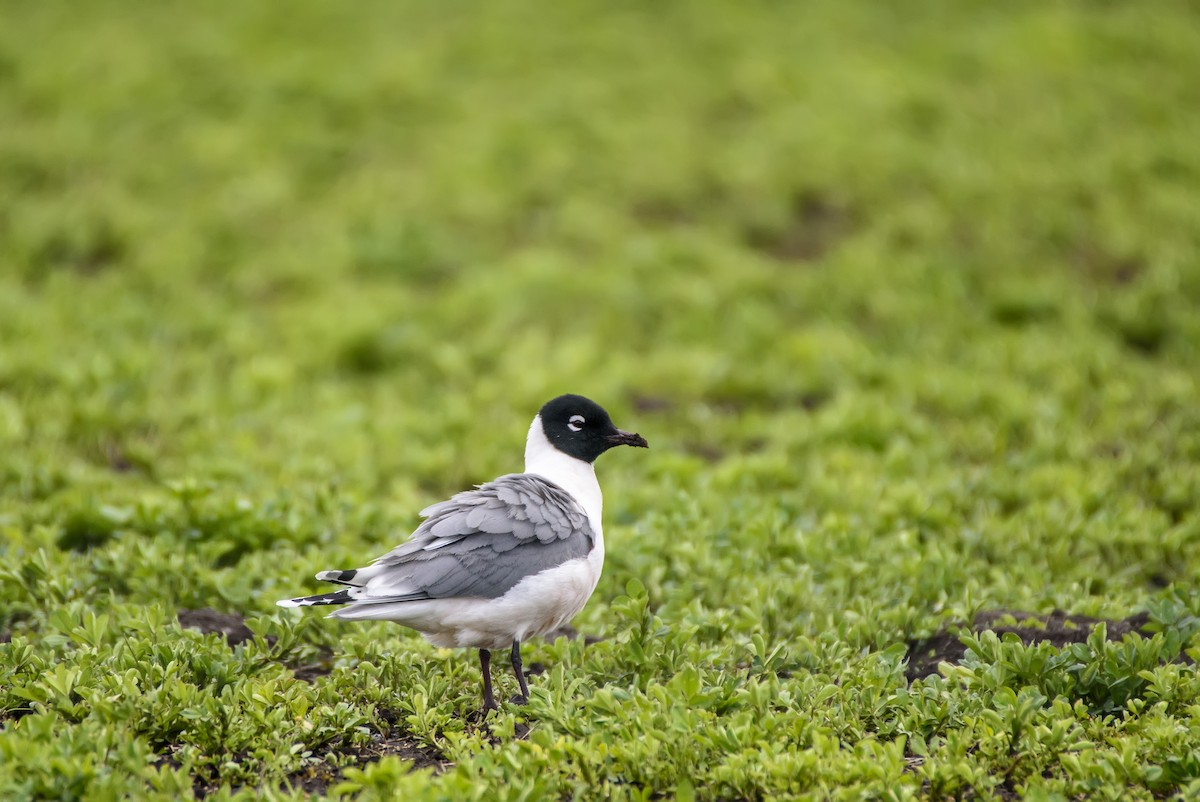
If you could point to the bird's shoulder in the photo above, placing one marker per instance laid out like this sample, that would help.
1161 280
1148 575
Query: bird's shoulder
515 509
511 490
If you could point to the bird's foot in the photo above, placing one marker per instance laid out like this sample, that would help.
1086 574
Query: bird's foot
518 699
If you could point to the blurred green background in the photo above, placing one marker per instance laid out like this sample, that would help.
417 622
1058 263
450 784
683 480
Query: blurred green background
905 297
228 237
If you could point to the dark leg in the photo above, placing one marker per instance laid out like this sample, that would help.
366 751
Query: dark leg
485 663
516 664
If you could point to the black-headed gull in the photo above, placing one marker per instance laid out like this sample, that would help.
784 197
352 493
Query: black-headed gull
513 559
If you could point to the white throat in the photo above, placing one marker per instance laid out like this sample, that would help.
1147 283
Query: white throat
573 475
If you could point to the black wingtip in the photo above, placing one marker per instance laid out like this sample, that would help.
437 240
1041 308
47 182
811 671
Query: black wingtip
337 597
338 577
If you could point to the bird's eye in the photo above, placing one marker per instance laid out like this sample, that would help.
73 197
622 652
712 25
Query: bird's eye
576 423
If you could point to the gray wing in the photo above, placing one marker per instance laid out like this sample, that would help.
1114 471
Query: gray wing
481 543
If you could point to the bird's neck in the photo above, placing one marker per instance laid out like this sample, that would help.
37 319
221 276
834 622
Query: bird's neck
573 475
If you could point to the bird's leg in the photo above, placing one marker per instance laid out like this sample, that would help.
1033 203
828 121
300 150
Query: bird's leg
485 663
516 664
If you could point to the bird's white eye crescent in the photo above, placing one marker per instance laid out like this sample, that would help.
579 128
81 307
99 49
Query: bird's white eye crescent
575 423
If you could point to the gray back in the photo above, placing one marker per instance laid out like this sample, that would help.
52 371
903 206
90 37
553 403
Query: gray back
483 542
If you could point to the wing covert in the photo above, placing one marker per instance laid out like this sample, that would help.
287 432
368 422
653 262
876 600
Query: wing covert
482 542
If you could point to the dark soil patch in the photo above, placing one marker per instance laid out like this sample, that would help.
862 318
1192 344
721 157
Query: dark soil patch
705 451
712 453
1105 267
646 404
117 458
233 627
816 225
321 774
734 404
663 212
1143 332
813 224
1059 628
309 672
204 782
318 777
207 620
85 249
814 401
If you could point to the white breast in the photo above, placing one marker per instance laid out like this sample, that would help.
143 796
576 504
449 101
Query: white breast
576 477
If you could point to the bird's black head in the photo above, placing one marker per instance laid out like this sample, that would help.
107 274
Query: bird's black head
580 427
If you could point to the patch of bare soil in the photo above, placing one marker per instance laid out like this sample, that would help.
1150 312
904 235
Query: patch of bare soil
817 224
731 404
233 627
1059 628
208 620
1104 266
706 451
321 774
648 404
310 672
319 777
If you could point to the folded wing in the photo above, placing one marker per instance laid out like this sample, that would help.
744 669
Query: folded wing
477 544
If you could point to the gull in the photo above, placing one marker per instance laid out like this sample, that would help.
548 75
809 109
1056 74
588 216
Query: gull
514 558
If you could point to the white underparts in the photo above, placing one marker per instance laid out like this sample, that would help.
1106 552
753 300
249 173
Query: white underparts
534 606
578 478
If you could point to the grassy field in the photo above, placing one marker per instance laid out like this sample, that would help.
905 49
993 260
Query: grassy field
905 297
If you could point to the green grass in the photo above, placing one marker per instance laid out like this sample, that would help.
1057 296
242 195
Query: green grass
906 299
